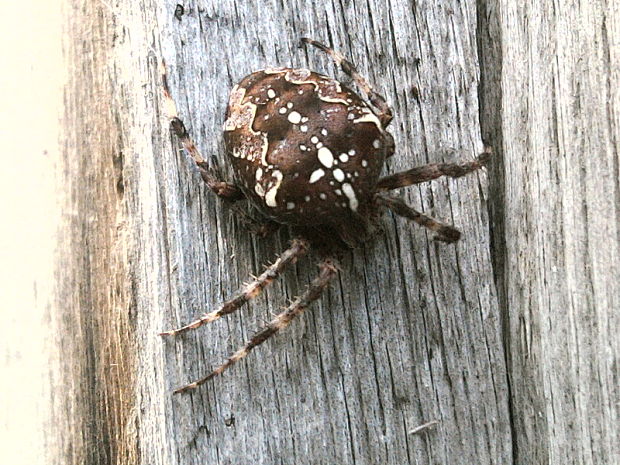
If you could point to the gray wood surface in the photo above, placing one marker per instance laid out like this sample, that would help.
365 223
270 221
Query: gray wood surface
413 331
561 221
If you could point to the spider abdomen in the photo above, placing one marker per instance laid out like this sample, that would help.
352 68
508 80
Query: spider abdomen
304 148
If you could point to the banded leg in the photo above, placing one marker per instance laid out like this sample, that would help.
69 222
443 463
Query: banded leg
281 321
298 248
445 233
433 171
223 189
377 100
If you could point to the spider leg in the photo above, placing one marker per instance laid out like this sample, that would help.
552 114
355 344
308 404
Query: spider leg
433 171
445 233
251 290
377 100
223 189
328 272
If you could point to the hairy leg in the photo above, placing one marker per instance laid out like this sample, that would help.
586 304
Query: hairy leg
281 321
445 233
223 189
433 171
385 112
298 248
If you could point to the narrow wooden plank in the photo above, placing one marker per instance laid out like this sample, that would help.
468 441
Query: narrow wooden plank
561 198
409 334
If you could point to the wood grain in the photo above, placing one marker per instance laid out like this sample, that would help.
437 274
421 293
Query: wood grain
413 331
561 204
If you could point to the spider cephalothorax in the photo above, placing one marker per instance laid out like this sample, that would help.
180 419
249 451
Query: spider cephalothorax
307 152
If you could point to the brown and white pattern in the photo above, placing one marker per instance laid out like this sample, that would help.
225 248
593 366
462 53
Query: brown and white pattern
305 149
307 152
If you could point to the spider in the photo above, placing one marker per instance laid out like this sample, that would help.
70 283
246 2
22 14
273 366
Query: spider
307 152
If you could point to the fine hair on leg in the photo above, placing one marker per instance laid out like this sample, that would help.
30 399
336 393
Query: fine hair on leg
328 270
223 189
298 248
444 232
376 99
425 173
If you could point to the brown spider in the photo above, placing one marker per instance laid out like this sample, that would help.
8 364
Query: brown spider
307 152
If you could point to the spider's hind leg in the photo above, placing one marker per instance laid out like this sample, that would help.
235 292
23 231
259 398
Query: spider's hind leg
376 99
298 248
223 189
328 272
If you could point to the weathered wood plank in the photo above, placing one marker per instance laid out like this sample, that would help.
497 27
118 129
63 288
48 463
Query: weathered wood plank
93 379
561 198
410 333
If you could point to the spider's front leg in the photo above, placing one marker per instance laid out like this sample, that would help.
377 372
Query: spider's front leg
328 271
432 171
223 189
445 233
376 99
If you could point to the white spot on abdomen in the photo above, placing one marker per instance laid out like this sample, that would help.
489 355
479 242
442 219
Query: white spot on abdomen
350 193
316 175
259 190
270 195
369 118
325 157
338 174
294 117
